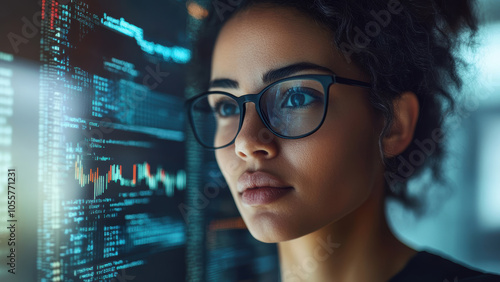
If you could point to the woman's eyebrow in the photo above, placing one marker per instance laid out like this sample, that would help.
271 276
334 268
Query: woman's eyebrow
271 75
289 70
224 83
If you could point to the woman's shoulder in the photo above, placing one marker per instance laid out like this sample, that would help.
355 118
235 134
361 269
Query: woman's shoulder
429 267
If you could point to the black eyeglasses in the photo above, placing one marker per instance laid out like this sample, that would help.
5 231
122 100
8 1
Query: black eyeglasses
291 108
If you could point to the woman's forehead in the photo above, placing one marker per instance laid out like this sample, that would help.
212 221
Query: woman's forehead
268 36
262 38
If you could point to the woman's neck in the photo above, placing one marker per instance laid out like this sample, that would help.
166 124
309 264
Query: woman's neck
359 247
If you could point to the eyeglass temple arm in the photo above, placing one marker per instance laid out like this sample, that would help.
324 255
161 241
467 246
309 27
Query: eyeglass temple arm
343 80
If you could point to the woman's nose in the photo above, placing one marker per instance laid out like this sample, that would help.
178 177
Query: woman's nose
254 140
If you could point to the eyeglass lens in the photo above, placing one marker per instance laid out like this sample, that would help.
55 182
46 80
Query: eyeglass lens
291 108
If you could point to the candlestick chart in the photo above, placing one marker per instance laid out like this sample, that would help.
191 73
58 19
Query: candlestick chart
141 173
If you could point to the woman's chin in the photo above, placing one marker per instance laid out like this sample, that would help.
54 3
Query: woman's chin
270 228
268 236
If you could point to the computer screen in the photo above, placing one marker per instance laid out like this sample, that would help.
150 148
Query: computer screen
110 136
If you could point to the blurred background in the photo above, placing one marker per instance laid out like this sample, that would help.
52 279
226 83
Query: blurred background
110 184
463 220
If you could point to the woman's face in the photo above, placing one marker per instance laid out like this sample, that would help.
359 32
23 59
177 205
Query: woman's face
327 174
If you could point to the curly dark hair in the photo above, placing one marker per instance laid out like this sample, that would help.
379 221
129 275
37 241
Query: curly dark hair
405 45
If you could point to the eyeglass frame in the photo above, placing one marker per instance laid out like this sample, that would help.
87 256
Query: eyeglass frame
326 81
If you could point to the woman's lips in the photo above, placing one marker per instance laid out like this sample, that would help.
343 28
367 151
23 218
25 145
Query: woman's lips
263 195
259 188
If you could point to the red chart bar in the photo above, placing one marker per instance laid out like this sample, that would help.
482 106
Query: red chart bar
134 174
110 173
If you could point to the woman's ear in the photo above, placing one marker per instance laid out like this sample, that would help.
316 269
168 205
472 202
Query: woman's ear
406 109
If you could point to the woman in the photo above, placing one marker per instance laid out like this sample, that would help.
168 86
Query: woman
342 93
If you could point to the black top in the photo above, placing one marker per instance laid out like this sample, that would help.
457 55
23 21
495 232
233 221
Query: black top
424 266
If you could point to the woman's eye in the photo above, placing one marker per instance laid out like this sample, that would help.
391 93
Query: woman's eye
297 98
226 109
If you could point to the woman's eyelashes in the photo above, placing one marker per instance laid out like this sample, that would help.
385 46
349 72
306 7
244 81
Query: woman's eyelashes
300 97
227 108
